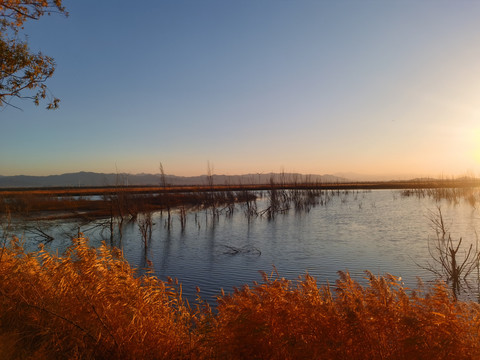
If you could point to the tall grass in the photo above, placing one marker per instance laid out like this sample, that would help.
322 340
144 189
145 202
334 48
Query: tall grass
281 319
90 304
453 195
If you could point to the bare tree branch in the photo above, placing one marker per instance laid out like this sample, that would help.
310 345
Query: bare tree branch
22 73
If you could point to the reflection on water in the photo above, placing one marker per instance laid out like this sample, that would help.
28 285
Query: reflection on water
378 230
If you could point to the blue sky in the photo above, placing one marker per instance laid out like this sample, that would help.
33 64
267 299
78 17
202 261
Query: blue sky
373 87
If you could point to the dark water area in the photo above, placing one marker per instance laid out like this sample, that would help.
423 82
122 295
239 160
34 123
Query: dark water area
380 231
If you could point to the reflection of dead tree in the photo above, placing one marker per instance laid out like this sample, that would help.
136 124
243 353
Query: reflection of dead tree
233 250
448 263
145 226
183 218
39 233
165 198
210 195
230 199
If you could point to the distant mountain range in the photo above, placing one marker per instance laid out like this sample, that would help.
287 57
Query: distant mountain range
85 179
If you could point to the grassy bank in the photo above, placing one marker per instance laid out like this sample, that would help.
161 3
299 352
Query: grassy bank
128 201
279 184
89 304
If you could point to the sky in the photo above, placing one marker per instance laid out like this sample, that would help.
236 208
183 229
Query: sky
384 88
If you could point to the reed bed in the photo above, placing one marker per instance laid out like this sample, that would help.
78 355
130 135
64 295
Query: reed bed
90 304
122 203
451 194
121 200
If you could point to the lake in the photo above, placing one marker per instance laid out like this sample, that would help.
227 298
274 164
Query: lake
380 230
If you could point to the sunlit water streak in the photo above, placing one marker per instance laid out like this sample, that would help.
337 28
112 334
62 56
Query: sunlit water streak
379 230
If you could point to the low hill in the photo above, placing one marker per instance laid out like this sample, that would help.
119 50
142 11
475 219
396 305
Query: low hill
83 179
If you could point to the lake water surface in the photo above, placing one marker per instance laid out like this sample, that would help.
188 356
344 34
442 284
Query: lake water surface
379 230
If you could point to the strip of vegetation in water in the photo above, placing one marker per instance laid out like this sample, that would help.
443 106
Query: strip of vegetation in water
452 194
90 304
98 202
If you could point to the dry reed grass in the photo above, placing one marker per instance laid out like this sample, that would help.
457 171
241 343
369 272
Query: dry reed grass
90 304
281 319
